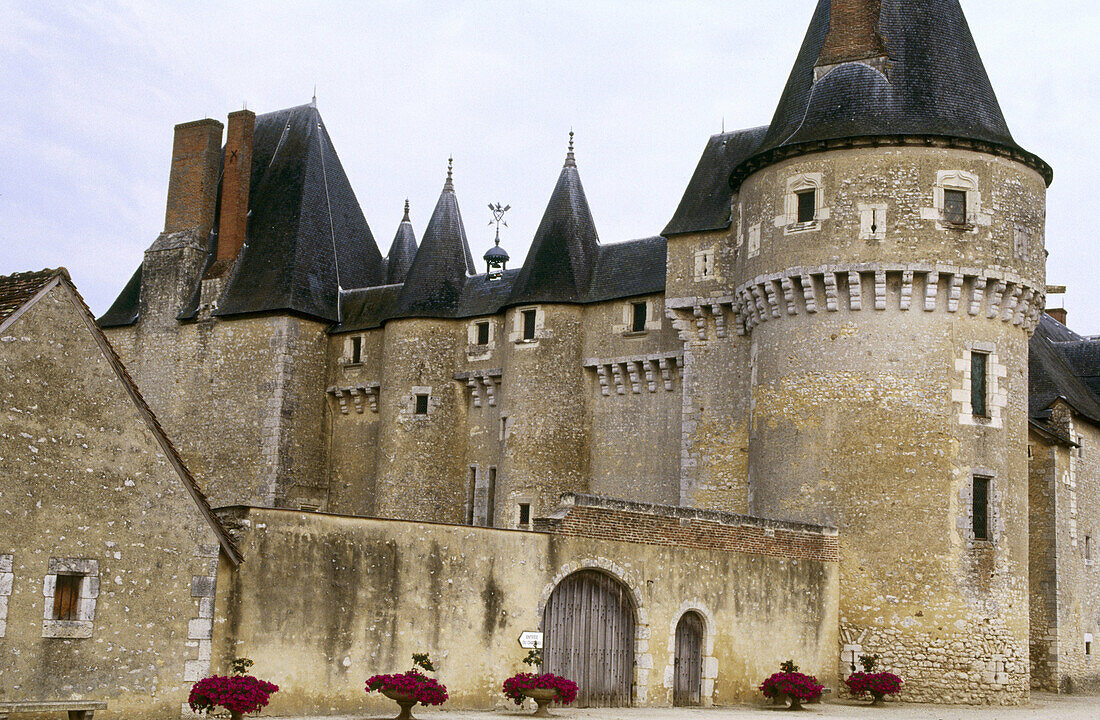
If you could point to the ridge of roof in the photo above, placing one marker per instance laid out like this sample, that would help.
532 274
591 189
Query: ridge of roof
920 94
61 275
565 247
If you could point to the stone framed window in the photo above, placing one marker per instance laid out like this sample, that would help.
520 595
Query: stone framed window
420 403
70 591
979 383
6 579
527 324
803 205
639 317
980 396
353 350
957 202
480 333
704 265
979 513
1022 243
979 500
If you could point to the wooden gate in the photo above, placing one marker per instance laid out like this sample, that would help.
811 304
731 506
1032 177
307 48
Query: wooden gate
588 628
688 686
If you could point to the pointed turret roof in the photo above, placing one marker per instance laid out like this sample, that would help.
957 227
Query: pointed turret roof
566 246
887 68
402 251
438 273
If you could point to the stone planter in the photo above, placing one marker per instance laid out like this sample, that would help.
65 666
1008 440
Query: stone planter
234 715
542 696
878 700
404 701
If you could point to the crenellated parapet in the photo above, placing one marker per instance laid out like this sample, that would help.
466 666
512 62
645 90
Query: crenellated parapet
993 294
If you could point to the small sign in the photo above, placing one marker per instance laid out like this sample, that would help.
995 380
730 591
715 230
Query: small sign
530 640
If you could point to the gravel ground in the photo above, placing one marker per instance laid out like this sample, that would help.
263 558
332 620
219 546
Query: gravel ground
1042 707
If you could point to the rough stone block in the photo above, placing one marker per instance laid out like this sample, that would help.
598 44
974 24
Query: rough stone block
5 563
202 586
200 629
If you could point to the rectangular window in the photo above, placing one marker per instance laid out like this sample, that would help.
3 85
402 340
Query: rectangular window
807 206
954 206
356 350
483 333
66 597
1088 547
524 514
981 508
1088 647
529 324
504 428
979 365
491 504
471 487
421 404
639 317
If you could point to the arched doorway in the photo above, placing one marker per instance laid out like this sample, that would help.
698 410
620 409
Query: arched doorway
588 627
688 666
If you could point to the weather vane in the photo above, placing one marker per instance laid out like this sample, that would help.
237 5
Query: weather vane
498 211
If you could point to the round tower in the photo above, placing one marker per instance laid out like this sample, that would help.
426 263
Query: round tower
888 272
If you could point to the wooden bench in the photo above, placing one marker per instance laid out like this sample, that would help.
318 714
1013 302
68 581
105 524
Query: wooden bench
77 709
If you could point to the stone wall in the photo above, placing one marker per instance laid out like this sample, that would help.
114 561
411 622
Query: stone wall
89 491
323 602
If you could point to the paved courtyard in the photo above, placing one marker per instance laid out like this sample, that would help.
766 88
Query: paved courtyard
1042 707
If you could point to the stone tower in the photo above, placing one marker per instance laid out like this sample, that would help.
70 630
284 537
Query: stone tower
884 268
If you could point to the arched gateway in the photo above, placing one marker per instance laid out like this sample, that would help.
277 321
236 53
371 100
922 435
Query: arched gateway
688 664
589 637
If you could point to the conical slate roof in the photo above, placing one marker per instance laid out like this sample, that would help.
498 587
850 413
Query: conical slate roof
443 261
402 251
565 247
934 83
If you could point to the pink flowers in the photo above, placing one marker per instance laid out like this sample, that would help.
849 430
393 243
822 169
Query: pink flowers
420 687
877 684
239 693
792 684
515 686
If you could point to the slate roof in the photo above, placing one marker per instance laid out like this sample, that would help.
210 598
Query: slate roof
565 247
18 288
629 269
707 200
402 251
126 307
936 85
1051 376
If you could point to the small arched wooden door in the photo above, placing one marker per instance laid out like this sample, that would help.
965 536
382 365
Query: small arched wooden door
588 627
688 671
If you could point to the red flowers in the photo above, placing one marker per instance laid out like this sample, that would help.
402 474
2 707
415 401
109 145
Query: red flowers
239 693
515 686
792 684
882 683
425 690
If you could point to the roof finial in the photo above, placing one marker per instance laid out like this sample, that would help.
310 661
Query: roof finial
406 218
449 185
314 101
570 161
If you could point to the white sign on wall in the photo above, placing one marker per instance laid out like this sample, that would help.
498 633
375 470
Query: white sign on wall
530 640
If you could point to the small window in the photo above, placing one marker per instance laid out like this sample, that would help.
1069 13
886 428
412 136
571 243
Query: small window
979 364
66 597
529 324
421 404
471 486
524 513
807 206
639 317
505 428
1088 647
954 206
1088 548
483 333
356 350
491 499
981 508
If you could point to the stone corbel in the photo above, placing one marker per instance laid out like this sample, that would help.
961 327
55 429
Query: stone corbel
602 372
931 288
977 294
617 373
475 390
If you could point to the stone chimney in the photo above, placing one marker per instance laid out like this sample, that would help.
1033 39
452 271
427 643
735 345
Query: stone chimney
1058 314
236 180
193 184
853 37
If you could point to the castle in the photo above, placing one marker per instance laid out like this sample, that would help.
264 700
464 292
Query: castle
841 329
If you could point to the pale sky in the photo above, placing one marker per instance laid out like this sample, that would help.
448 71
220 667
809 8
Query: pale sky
91 90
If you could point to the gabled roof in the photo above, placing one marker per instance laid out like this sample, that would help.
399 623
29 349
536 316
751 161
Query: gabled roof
935 85
706 204
443 261
1051 377
25 289
629 269
565 247
402 251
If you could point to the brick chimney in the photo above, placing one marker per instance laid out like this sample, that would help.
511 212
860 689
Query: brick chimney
236 180
1058 314
853 35
193 184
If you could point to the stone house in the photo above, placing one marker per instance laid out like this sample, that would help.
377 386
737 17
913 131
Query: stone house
109 552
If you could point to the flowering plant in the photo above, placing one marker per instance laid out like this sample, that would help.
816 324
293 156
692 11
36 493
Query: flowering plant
792 684
516 687
415 684
878 684
238 694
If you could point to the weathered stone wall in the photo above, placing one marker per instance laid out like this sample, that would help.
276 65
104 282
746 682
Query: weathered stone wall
1046 457
323 602
87 490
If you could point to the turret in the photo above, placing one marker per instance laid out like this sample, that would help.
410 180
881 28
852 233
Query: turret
402 251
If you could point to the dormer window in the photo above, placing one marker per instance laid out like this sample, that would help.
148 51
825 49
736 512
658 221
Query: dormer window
954 206
529 324
807 206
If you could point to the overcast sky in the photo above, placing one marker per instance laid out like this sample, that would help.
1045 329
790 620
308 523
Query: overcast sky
90 92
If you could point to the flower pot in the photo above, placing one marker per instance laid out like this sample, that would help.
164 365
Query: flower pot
542 696
234 715
404 701
879 698
796 703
